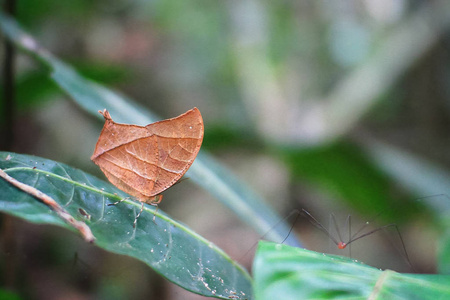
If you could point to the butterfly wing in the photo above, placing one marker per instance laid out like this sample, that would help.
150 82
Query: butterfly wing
128 156
179 140
145 161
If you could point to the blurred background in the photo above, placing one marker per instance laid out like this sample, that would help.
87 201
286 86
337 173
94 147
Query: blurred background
333 106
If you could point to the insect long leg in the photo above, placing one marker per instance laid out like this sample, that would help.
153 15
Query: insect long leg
398 233
295 211
404 248
364 227
317 224
348 223
333 218
357 235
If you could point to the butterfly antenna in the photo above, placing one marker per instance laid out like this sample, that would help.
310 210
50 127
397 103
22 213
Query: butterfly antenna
317 224
181 180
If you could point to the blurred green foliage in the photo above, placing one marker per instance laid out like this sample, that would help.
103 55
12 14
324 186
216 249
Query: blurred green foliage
342 169
314 87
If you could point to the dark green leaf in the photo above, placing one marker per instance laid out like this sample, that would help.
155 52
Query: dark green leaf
169 247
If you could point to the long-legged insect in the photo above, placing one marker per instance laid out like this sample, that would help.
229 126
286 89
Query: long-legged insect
341 244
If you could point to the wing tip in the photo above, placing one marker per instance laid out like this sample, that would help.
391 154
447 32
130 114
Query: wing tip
105 114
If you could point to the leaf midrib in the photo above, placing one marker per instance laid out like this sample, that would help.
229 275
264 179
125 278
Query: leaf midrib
75 183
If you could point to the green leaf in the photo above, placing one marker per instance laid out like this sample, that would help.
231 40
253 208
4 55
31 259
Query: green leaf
34 88
284 272
205 171
170 248
8 295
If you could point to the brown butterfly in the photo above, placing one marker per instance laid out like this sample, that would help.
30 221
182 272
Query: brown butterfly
144 161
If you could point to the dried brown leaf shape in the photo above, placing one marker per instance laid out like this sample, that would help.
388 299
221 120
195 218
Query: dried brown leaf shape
144 161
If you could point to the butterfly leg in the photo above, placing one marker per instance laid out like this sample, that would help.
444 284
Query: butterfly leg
155 202
154 213
117 202
138 215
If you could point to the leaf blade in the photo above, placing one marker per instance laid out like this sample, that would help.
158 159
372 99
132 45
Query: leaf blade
204 269
293 273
